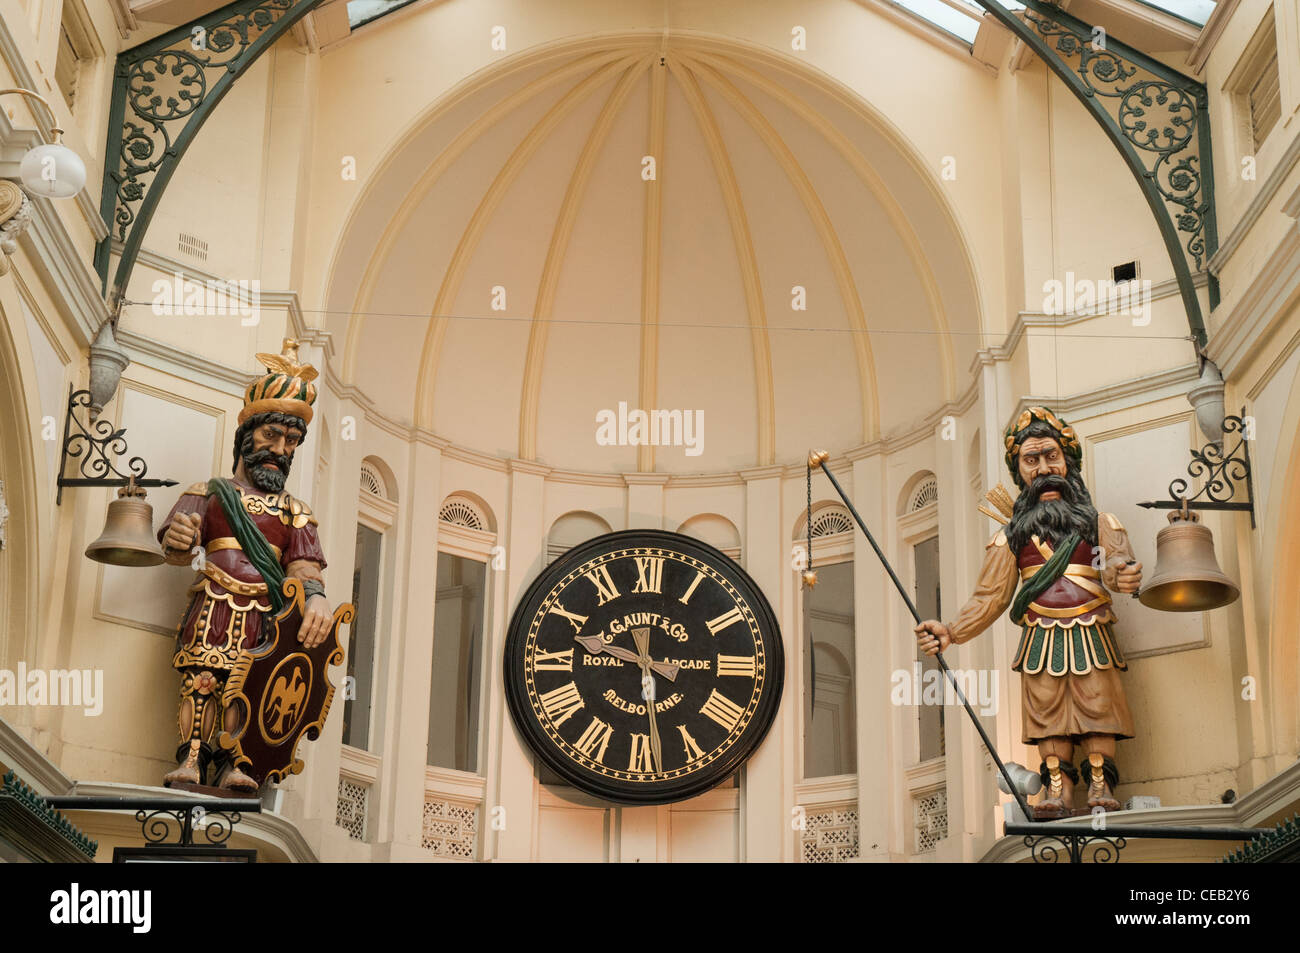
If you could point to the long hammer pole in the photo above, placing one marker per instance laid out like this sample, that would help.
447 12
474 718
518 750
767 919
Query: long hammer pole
819 458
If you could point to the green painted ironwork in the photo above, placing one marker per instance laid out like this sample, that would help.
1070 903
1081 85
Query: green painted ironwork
1155 116
26 799
1280 845
163 92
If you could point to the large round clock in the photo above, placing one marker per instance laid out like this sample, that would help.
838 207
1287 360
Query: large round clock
643 666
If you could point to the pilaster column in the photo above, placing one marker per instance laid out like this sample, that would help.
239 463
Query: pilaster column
512 783
767 785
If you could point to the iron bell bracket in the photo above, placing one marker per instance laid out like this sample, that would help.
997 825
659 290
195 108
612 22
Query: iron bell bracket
96 446
1221 472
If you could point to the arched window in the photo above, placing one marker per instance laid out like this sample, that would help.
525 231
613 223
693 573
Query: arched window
376 511
466 545
827 640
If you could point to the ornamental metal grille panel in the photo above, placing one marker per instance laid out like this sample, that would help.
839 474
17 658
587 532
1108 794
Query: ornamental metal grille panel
461 512
831 520
925 493
354 800
830 834
930 818
192 245
450 828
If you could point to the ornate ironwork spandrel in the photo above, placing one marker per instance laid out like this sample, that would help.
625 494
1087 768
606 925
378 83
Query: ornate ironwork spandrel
163 92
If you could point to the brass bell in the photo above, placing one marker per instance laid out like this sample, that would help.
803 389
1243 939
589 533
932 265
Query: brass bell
128 538
1187 577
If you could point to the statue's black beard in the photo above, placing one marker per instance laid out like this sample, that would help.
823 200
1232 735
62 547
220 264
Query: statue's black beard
265 479
1053 520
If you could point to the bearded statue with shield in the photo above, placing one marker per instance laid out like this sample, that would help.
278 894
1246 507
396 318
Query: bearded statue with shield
1065 558
257 636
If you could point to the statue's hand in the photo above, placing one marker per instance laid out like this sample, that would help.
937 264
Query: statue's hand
933 637
183 531
1128 578
316 621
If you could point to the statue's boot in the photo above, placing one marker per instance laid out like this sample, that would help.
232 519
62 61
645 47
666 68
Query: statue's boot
1103 776
187 772
1058 789
236 780
230 777
196 719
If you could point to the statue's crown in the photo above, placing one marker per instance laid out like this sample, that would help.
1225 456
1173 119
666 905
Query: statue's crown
287 389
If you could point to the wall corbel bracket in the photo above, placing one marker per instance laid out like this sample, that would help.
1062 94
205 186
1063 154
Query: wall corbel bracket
163 92
1155 116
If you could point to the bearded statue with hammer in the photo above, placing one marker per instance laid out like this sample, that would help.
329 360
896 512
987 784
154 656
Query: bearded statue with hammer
1065 559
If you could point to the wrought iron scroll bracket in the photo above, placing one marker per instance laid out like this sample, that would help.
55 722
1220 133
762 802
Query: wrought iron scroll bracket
96 446
1160 125
1221 472
216 826
163 92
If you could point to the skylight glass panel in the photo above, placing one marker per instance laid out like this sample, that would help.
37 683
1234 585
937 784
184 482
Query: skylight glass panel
1193 11
945 17
363 11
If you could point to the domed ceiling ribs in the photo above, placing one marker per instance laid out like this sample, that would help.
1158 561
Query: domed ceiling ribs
812 204
764 400
878 188
708 75
445 159
530 393
651 262
469 240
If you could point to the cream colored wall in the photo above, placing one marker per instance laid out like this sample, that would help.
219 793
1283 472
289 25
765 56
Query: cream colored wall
265 177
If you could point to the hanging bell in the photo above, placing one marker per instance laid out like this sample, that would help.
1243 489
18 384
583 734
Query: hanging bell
1187 577
128 538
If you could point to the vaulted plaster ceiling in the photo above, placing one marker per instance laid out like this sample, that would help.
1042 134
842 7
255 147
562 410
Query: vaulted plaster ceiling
511 270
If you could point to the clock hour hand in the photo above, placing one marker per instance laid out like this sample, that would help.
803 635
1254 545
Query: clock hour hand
596 645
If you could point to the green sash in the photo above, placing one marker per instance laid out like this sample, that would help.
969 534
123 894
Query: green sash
1042 580
251 540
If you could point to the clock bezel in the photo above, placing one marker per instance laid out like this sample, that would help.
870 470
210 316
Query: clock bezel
644 793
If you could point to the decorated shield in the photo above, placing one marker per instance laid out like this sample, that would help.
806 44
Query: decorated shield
281 691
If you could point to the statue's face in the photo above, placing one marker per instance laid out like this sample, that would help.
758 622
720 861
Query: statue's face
1039 456
271 454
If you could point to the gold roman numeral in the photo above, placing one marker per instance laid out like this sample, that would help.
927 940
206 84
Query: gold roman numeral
642 759
561 661
575 620
722 621
595 740
604 583
693 751
561 702
649 573
722 710
685 597
742 665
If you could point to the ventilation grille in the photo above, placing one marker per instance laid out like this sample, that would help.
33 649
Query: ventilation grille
372 482
450 828
354 799
830 835
926 492
194 247
1265 101
459 511
831 520
930 818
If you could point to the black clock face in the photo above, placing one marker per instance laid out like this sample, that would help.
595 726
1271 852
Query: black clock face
643 666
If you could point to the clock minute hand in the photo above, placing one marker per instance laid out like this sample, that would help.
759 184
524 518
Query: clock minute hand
596 645
642 639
